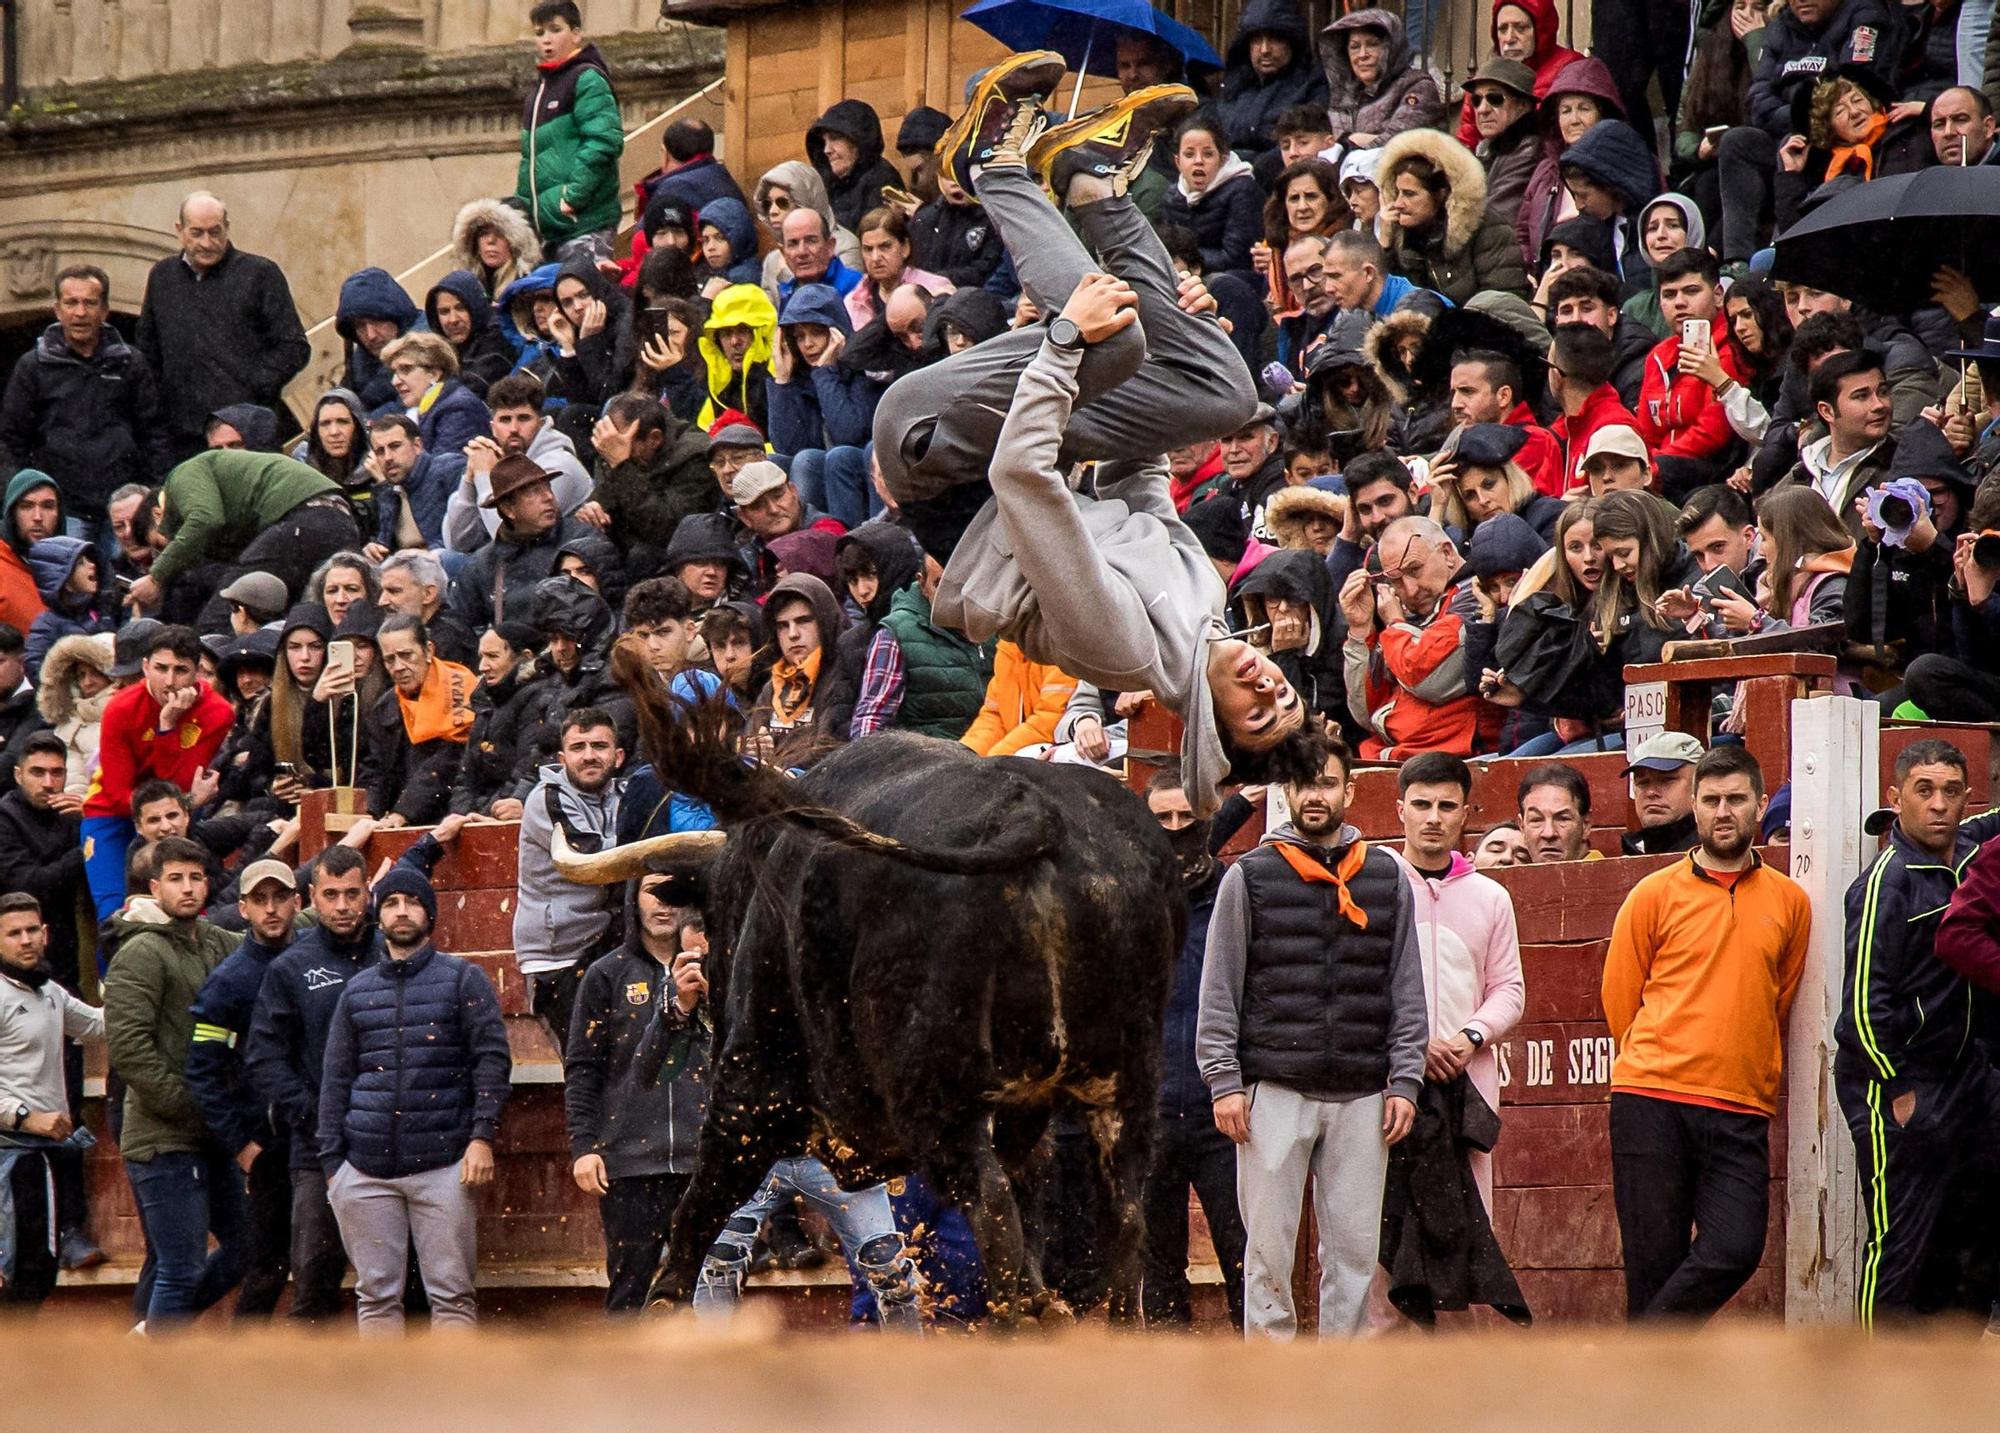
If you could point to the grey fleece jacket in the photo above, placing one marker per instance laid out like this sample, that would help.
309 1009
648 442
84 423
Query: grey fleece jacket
1220 1021
1112 589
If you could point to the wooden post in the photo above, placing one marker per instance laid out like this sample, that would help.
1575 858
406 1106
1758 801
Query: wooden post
1835 754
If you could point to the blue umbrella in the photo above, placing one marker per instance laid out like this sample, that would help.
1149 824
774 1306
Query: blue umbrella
1077 28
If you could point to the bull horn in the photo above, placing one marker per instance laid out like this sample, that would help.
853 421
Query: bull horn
635 858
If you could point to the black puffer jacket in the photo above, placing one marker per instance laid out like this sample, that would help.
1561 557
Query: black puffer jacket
417 1067
490 768
958 241
92 423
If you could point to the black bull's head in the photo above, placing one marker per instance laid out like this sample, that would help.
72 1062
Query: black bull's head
921 956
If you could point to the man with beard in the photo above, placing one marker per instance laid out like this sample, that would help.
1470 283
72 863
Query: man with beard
632 1138
36 1016
1379 491
416 1075
519 431
1662 773
268 900
1705 958
557 922
1312 1000
1189 1151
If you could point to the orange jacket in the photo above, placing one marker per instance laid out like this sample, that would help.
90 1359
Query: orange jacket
1023 702
1698 982
20 599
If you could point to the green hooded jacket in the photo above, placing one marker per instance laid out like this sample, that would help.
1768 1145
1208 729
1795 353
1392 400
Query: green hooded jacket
571 138
149 1023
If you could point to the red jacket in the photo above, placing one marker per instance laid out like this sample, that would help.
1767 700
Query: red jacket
1546 62
1422 693
1600 410
132 750
1968 938
1679 414
1542 457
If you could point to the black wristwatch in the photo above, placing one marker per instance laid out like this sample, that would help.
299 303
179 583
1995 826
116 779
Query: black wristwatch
1478 1040
1065 335
21 1113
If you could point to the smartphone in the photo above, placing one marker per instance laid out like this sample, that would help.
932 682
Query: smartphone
1715 132
288 769
124 582
340 660
1695 333
892 195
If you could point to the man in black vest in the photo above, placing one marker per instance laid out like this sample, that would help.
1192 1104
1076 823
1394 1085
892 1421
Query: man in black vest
1311 1038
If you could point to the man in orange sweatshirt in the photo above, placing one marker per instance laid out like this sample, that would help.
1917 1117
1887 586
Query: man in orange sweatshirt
1705 958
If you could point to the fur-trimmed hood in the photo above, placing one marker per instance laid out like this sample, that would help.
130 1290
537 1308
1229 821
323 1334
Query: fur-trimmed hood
1465 205
511 223
1286 512
56 695
1381 345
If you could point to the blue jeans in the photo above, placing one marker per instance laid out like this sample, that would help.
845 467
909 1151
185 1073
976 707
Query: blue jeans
183 1198
106 842
1549 743
862 1221
1975 18
835 480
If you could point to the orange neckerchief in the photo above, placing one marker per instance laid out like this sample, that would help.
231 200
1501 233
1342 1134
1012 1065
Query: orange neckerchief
1350 866
1861 152
443 708
792 689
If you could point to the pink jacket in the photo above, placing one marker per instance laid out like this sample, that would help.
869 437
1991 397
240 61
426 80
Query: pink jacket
861 298
1472 962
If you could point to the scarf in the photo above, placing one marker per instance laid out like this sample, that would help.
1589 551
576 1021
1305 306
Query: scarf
792 689
443 709
1861 153
1309 869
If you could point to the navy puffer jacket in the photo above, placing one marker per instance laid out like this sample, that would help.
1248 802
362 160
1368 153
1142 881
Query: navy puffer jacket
416 1067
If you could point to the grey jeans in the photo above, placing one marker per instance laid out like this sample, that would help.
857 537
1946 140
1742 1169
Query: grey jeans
1169 380
380 1218
1340 1143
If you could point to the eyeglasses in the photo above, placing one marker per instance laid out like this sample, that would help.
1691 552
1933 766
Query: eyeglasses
1311 278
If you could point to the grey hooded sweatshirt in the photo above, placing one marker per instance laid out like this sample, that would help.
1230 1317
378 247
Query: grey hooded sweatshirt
1112 589
558 922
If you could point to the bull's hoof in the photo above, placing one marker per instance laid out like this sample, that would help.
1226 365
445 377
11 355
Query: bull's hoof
1044 1312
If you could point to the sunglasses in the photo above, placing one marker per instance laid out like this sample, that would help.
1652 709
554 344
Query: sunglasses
1488 99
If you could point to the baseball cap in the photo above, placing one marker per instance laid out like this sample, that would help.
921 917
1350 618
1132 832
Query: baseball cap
1665 752
1616 441
754 480
268 869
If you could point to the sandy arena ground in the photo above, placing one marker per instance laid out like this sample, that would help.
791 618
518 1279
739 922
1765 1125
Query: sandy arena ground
672 1376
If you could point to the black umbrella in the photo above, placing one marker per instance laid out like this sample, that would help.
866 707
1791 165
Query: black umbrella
1880 243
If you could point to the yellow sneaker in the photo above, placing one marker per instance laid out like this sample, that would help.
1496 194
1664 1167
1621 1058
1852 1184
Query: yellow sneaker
990 114
1112 143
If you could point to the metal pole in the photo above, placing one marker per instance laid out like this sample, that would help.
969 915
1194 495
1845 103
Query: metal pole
1082 70
10 55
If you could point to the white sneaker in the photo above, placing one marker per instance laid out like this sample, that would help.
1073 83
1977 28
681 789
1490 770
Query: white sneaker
137 1330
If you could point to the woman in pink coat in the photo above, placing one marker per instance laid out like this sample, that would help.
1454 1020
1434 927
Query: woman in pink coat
1465 930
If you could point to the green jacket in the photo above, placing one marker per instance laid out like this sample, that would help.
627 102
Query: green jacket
218 501
571 137
647 503
149 1023
944 675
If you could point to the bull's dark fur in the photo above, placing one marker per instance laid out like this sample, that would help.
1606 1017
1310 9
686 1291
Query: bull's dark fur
894 1017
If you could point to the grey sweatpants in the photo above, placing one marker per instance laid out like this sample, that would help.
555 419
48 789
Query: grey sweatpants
1170 380
380 1218
1340 1143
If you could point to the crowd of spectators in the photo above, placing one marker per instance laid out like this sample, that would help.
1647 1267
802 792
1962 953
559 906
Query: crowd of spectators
1531 408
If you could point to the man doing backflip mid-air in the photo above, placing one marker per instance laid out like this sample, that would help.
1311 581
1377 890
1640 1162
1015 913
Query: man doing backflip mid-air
978 450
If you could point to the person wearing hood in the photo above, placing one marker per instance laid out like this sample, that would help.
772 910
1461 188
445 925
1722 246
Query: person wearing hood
952 236
633 1136
1610 174
790 721
559 922
1507 132
244 427
1377 86
81 405
336 444
74 688
1434 227
595 353
493 241
1308 517
1525 32
186 1185
66 573
33 511
498 583
373 311
689 171
1290 594
794 184
1216 197
705 557
960 320
1313 898
728 242
844 147
1269 69
1667 224
594 561
513 683
577 629
527 312
1581 94
571 139
822 409
652 471
735 350
458 310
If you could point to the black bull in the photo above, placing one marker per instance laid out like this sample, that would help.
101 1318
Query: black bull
891 1017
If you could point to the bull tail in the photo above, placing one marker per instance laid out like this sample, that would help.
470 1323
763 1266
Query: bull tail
695 748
